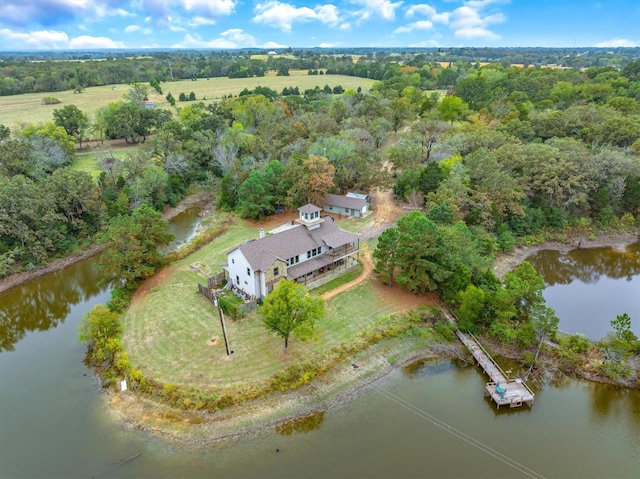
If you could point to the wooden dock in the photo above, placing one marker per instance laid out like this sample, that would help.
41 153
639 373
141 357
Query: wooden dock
501 389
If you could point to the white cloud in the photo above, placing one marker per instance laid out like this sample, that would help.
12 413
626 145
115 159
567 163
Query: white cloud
272 45
616 42
39 40
469 21
198 21
56 40
421 25
328 14
283 15
233 38
210 8
327 45
476 32
429 12
123 13
376 8
85 41
132 28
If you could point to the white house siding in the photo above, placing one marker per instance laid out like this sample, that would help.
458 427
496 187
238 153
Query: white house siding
238 265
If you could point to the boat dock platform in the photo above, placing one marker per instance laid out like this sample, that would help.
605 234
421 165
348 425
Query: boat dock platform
502 390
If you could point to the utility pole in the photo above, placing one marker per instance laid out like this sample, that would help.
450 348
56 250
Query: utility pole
224 330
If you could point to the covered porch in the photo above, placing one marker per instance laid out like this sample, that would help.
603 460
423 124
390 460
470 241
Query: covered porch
316 272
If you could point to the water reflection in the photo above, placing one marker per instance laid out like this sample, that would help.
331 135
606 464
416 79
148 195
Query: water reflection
306 423
43 303
184 227
590 287
586 265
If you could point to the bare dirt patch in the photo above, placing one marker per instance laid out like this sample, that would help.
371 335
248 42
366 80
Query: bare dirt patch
386 213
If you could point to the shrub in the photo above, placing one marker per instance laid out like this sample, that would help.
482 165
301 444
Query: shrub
578 343
100 329
50 100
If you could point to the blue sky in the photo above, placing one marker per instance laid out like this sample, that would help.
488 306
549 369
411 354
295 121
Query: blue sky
272 24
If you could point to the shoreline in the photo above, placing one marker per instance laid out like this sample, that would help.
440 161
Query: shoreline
337 387
17 279
507 261
342 384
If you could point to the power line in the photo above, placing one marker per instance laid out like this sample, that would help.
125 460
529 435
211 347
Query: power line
459 434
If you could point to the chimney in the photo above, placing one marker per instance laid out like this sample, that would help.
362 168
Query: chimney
261 233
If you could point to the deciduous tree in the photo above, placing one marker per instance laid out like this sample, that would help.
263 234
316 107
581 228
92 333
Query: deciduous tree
453 108
289 308
132 243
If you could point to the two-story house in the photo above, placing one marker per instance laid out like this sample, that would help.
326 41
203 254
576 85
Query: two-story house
306 248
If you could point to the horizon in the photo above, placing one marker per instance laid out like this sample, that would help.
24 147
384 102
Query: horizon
80 25
281 51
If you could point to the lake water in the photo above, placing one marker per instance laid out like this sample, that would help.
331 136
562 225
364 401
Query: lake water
428 421
590 287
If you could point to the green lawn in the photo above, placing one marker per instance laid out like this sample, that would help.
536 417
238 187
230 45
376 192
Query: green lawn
27 108
169 326
88 162
354 224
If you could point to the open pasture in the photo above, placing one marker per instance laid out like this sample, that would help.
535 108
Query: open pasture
27 108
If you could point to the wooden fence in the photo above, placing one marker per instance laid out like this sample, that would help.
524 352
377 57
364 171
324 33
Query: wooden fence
206 292
216 281
235 311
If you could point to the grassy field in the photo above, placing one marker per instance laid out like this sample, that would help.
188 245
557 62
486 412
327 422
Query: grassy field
28 108
170 326
88 162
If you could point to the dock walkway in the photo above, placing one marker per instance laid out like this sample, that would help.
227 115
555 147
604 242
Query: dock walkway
501 389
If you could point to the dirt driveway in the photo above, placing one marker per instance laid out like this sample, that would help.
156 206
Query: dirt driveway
386 213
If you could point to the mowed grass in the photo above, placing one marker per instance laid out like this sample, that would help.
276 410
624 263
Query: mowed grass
169 326
17 110
88 162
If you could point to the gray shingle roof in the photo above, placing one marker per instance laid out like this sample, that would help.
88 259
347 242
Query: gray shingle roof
345 202
261 253
308 208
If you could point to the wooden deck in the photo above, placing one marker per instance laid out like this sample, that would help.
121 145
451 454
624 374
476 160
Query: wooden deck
501 389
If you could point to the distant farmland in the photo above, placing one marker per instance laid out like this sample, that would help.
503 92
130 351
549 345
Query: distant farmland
28 108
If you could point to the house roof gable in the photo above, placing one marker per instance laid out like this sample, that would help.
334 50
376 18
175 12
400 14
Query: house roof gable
261 253
345 202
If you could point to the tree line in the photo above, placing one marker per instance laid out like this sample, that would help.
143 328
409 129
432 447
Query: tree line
51 72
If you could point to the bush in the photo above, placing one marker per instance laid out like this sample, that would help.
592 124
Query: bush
50 100
120 299
100 329
578 343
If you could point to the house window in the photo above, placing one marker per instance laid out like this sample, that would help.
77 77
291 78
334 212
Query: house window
276 271
293 260
233 261
237 279
248 271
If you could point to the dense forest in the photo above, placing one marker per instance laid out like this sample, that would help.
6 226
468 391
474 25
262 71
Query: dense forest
508 151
